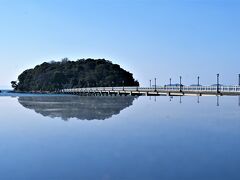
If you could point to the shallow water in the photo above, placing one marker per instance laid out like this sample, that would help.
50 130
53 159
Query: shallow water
72 137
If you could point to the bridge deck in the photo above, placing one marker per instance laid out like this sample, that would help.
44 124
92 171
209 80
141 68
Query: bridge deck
167 90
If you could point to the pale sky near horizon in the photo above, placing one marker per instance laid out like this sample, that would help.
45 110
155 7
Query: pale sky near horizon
150 38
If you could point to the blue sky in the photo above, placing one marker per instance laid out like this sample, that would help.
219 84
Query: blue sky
151 38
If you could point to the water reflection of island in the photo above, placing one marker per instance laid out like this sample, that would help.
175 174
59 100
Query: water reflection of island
80 107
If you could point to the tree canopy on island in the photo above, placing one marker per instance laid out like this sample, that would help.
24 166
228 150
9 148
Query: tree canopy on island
51 76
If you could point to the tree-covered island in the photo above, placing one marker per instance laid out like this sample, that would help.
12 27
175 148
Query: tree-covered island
52 76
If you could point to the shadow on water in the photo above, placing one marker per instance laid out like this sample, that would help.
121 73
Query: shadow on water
80 107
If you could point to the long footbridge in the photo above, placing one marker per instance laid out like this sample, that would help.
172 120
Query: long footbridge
156 91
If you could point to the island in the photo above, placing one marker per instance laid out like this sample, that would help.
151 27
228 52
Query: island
53 76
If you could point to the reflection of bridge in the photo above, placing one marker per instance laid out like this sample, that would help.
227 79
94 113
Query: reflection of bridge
157 91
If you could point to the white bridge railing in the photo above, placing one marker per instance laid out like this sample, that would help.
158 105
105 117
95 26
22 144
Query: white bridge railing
225 89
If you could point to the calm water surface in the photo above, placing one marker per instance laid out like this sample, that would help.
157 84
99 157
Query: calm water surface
70 137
